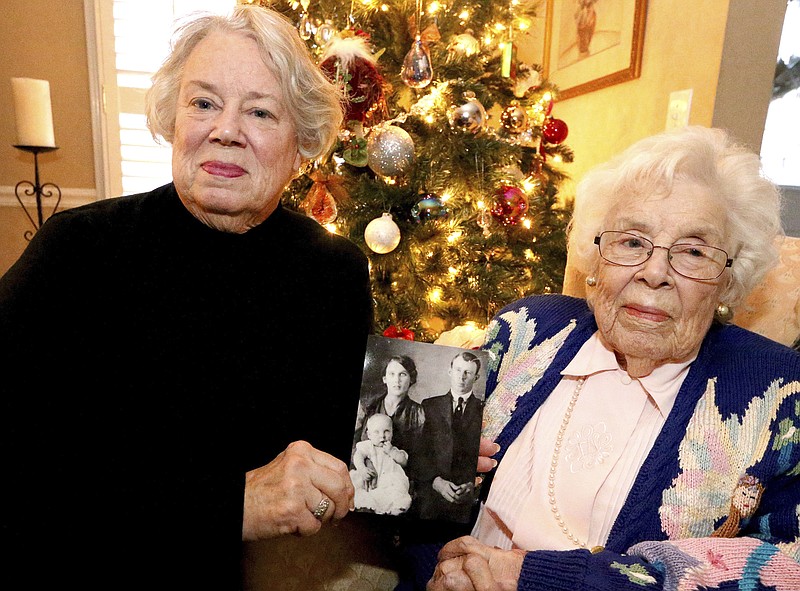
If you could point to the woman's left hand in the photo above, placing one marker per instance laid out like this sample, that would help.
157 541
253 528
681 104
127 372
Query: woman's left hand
465 564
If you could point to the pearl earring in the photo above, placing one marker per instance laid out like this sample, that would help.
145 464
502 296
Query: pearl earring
591 281
723 313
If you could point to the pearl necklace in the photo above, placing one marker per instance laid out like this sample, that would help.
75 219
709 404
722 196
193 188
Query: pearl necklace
551 478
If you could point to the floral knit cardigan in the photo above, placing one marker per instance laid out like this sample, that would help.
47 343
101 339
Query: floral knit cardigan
735 423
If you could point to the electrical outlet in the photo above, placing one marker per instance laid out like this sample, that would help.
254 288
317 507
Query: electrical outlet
680 105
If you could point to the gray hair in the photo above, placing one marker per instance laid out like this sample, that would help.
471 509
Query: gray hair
709 157
313 102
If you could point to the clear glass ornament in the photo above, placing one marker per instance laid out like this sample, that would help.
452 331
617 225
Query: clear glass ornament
320 204
485 221
417 71
324 33
306 27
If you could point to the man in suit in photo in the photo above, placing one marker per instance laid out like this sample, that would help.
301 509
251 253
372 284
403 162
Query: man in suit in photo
451 436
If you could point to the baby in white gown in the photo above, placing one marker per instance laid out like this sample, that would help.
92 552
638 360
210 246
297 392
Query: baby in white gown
378 472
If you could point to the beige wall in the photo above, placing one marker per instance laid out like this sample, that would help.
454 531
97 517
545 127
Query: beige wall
724 50
47 40
683 48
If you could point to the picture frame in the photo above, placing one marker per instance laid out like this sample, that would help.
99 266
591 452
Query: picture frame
592 44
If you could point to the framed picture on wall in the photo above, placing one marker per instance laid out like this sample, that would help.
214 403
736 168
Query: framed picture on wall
592 44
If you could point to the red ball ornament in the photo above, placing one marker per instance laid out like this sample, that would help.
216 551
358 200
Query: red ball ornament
510 205
395 332
554 131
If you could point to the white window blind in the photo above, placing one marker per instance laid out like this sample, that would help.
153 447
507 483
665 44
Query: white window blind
142 30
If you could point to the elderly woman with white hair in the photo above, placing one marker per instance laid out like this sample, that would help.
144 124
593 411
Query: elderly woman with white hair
645 443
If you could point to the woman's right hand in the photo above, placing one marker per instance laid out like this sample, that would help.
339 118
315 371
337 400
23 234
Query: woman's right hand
487 449
281 497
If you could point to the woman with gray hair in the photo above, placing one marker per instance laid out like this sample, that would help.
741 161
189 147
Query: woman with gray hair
189 346
644 442
311 102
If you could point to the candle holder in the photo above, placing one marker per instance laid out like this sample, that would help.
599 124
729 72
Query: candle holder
36 189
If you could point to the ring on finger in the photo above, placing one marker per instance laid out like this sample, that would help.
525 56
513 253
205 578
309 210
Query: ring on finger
322 508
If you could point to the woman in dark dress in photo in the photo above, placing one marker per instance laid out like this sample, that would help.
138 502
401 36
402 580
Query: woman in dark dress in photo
399 375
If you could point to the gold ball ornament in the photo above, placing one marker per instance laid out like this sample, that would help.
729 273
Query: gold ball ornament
382 235
390 150
514 118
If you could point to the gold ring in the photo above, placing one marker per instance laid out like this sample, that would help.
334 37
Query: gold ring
322 508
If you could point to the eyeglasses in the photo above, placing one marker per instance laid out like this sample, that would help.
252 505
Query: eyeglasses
693 261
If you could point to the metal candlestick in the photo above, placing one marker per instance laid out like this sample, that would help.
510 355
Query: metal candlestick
36 189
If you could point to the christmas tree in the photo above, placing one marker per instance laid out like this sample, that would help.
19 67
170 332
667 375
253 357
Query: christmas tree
459 215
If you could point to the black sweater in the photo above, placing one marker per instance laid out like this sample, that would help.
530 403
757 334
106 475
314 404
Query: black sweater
152 362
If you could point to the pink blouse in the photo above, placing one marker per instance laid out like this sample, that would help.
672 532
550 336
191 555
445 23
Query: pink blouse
613 426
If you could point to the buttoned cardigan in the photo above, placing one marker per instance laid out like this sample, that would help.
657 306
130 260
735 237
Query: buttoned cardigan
736 419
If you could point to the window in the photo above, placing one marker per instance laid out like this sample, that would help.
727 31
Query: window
132 40
780 147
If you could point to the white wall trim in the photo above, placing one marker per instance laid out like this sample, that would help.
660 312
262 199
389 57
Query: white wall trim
91 12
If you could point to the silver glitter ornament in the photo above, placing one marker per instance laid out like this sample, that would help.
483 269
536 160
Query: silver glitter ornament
390 150
465 43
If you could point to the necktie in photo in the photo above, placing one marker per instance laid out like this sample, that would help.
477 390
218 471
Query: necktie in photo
459 407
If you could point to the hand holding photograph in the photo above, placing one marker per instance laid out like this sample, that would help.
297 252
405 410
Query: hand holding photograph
417 434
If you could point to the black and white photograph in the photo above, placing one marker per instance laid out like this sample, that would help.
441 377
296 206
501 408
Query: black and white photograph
417 433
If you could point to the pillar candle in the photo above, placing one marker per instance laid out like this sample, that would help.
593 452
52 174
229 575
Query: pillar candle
34 114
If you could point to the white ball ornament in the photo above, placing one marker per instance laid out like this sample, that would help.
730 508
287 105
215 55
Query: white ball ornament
382 235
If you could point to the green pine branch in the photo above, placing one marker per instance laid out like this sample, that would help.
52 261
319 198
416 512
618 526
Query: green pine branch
467 264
